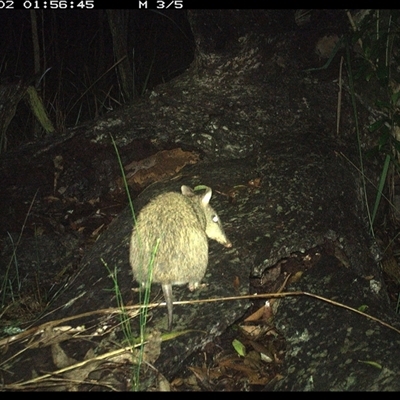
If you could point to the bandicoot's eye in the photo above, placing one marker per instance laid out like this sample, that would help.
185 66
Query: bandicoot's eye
215 218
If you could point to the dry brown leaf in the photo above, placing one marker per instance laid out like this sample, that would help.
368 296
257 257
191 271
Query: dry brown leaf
162 383
254 332
391 267
199 373
257 315
96 232
60 358
159 166
236 283
261 349
295 277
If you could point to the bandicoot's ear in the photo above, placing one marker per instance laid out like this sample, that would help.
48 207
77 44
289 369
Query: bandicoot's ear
187 191
206 196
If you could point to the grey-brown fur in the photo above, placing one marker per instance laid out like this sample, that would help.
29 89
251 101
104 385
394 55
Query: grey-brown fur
182 223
